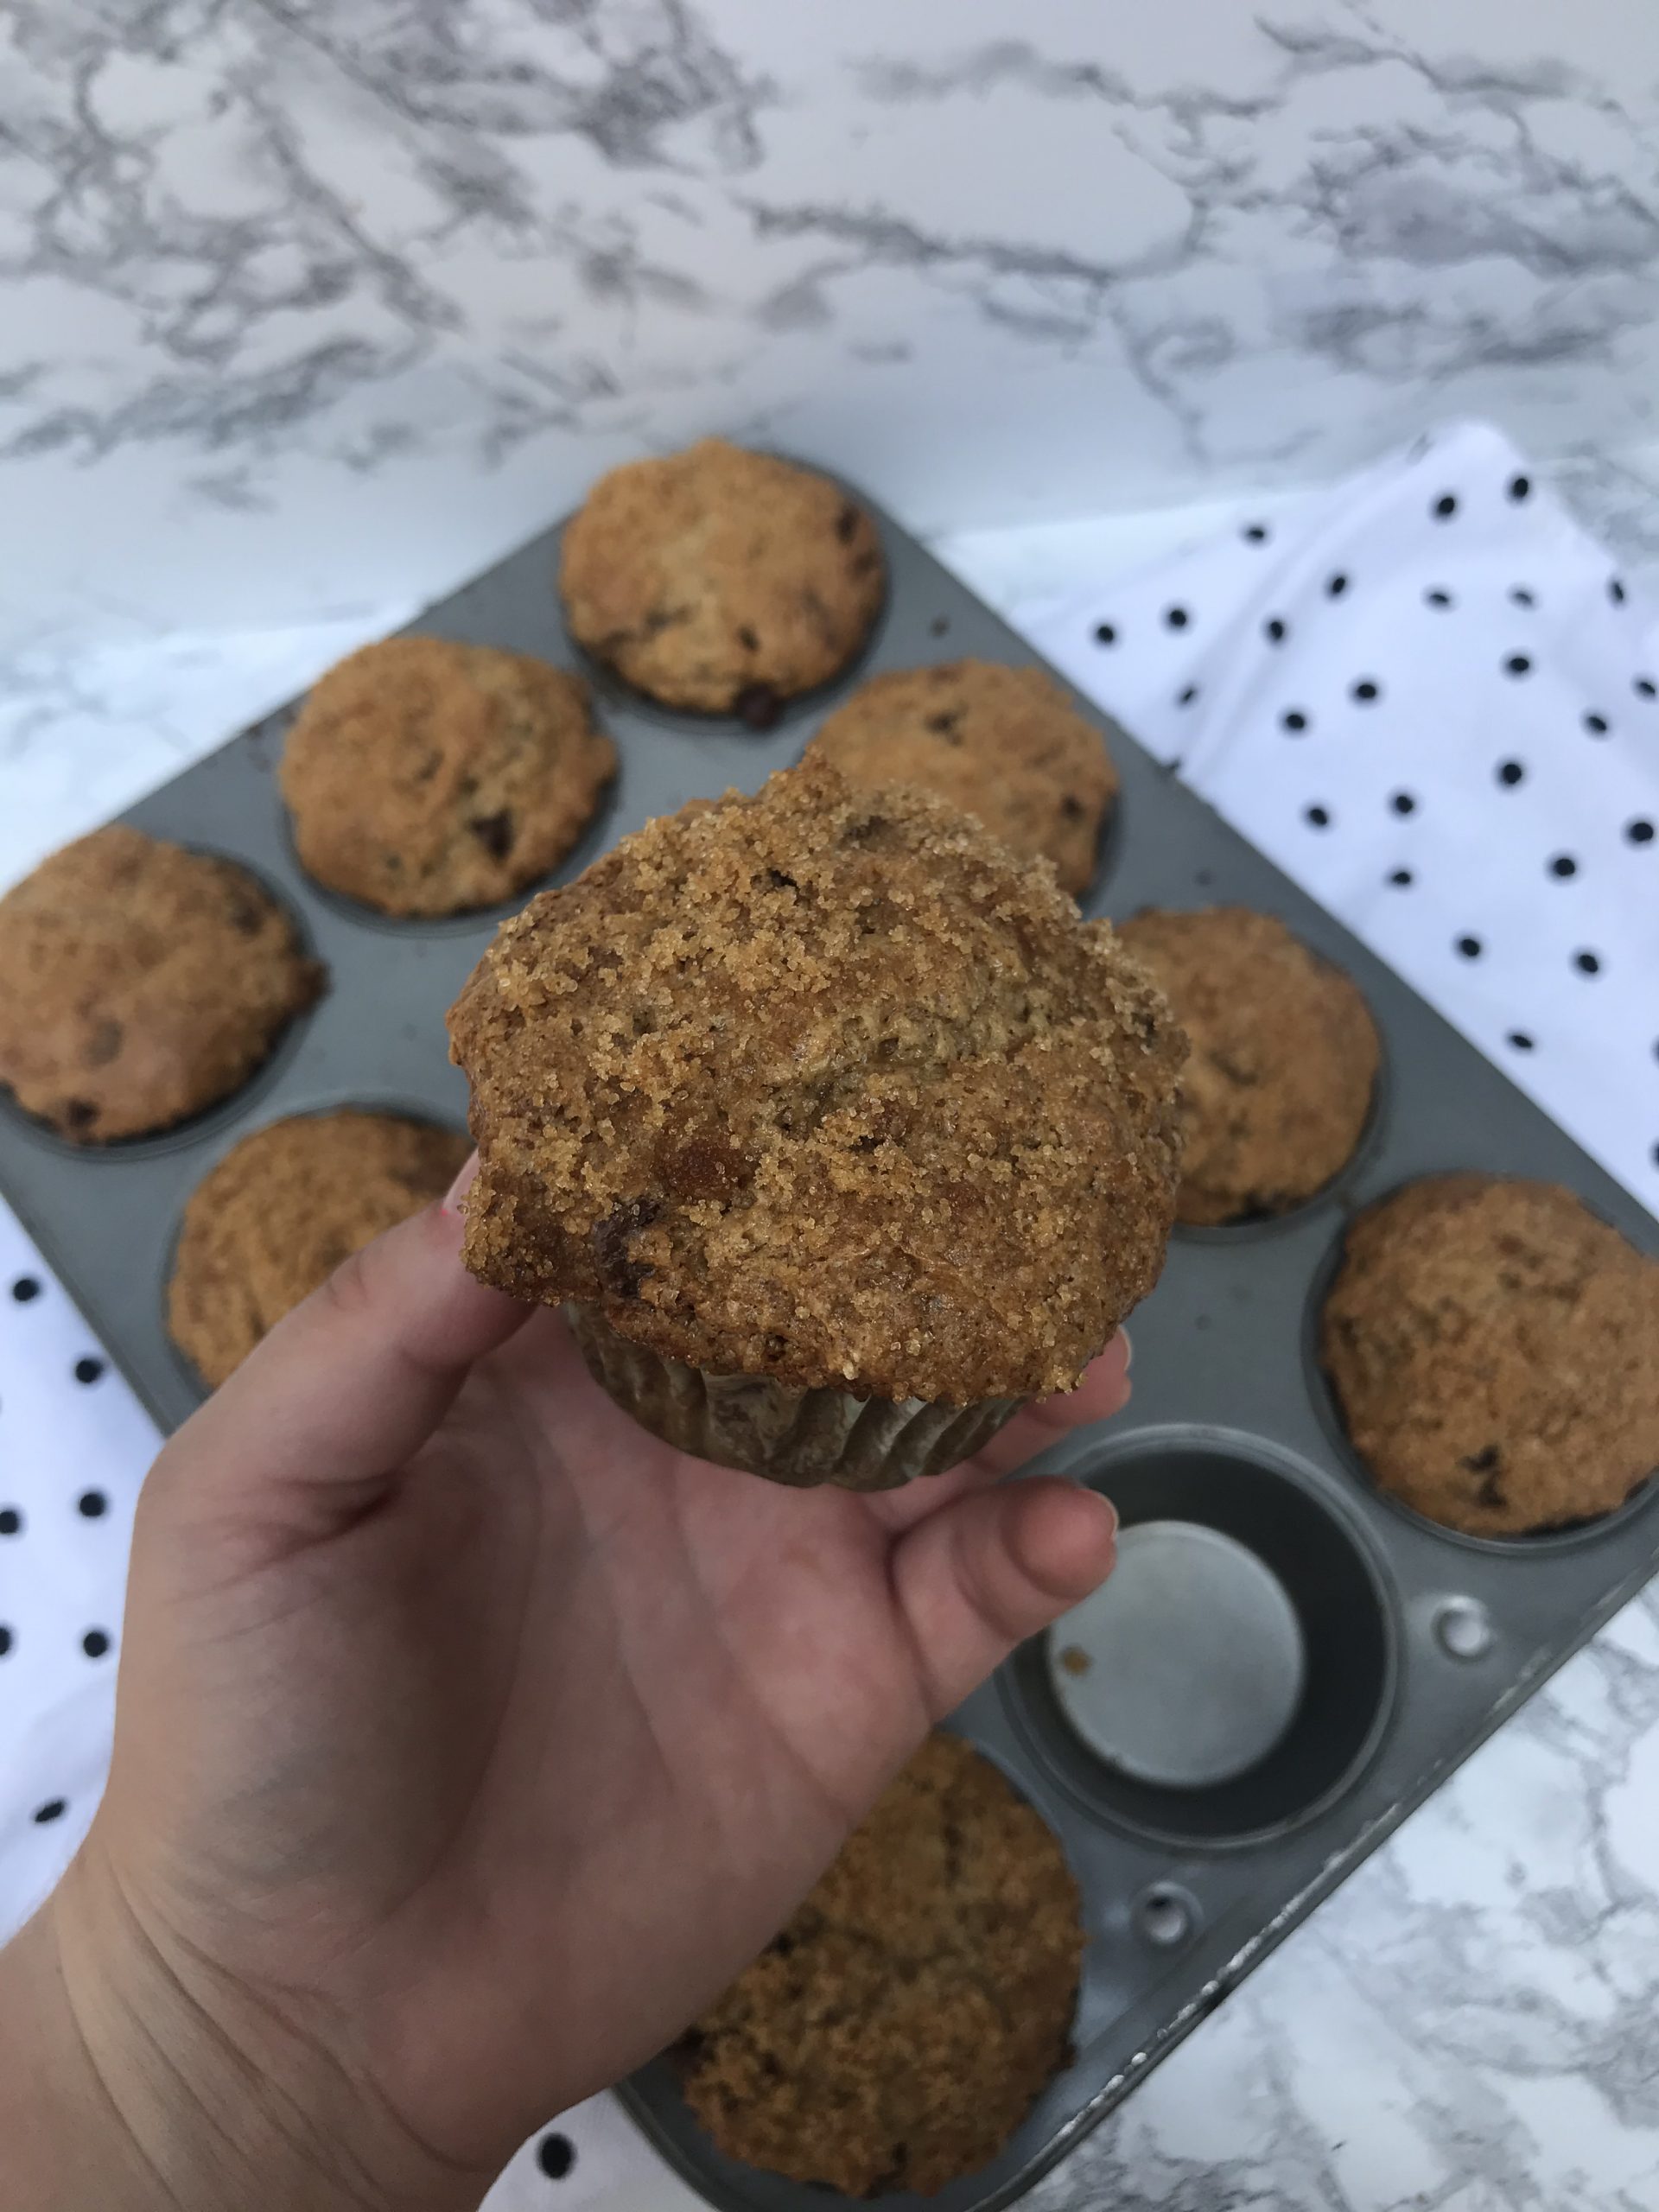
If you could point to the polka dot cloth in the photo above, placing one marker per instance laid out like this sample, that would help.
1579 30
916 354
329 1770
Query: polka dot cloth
1433 702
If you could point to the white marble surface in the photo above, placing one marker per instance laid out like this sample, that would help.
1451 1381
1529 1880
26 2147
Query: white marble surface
1004 261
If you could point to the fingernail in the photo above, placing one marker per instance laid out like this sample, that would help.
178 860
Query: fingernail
1112 1509
458 1188
1128 1350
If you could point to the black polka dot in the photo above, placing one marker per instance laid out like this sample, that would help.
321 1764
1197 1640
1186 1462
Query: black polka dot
1522 596
1509 771
1445 507
1403 802
1175 617
1469 947
88 1369
1185 698
1366 690
1256 532
1587 963
92 1505
1595 724
938 626
1335 586
11 1520
1519 486
1517 665
95 1643
555 2154
1520 1039
1639 832
1563 865
5 1642
1400 878
1317 817
1644 687
25 1288
1104 634
1274 630
1438 598
1616 591
53 1809
1293 719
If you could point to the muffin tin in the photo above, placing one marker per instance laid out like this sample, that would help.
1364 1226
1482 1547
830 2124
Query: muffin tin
1367 1651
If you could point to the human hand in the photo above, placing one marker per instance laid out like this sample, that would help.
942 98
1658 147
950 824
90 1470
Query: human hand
469 1739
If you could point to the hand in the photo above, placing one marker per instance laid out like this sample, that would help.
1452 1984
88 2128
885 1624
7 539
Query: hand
469 1740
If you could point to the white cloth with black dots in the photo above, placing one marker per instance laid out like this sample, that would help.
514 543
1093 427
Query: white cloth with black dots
1421 693
1427 694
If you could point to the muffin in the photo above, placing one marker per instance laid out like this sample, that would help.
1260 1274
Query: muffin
1005 744
280 1212
720 580
1494 1349
140 983
1284 1058
899 2029
838 1130
425 777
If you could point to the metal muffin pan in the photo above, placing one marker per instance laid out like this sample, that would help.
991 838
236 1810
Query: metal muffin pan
1412 1644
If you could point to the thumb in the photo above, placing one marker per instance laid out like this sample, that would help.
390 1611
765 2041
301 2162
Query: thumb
311 1429
991 1569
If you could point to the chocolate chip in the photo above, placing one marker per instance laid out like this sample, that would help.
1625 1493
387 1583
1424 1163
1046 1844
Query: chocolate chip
245 916
79 1113
862 565
747 638
618 1272
702 1167
757 706
846 524
1071 807
495 832
103 1044
944 725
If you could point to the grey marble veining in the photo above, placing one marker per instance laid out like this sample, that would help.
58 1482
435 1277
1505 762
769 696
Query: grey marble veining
305 306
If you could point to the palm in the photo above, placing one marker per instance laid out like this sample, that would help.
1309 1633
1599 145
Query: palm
515 1771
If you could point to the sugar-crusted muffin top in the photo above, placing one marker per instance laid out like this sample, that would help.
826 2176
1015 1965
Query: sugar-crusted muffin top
719 579
1284 1058
823 1085
1005 744
1494 1347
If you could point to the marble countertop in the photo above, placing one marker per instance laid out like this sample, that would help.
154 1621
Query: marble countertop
1471 2023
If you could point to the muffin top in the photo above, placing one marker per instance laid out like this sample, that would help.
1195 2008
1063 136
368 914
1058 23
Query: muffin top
824 1085
140 983
1284 1058
426 776
1494 1348
897 2031
279 1213
1005 744
720 580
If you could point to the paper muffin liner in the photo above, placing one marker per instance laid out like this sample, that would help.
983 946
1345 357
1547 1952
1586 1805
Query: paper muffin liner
800 1437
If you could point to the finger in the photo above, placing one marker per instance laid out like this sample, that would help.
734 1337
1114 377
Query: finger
991 1569
350 1383
1103 1391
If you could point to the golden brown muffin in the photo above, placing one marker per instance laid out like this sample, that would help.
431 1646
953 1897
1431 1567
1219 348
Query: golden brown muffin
140 983
822 1087
720 580
280 1212
1494 1349
1005 744
1284 1058
899 2031
425 777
